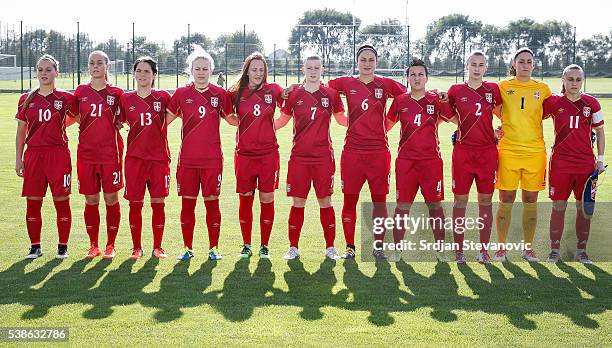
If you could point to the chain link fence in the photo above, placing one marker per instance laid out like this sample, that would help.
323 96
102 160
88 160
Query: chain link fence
21 45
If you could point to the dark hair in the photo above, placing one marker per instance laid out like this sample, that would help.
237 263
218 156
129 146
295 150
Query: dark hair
152 63
364 48
243 80
512 70
417 62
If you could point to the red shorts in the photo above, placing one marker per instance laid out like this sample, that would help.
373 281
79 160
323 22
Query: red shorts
93 177
190 180
140 174
49 166
561 183
355 169
257 172
300 175
474 165
426 174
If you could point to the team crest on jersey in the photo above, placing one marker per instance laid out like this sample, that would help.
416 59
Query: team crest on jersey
586 111
430 109
325 102
157 106
214 101
378 93
110 99
489 97
58 104
268 98
536 95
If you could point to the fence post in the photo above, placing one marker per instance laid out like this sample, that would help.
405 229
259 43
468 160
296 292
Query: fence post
408 46
127 59
188 41
287 71
574 47
274 64
354 45
78 53
299 49
176 52
243 42
226 65
21 52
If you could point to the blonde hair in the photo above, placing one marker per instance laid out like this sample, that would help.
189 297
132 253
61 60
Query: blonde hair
568 69
198 53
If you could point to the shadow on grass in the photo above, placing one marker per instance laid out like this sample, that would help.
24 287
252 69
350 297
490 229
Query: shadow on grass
530 289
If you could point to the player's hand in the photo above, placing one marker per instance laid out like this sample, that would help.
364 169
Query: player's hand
499 133
442 95
600 167
288 90
119 125
19 167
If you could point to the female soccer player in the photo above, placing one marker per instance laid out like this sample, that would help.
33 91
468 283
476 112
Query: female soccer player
147 161
522 156
41 125
366 155
475 150
419 163
201 105
312 157
100 152
572 161
256 159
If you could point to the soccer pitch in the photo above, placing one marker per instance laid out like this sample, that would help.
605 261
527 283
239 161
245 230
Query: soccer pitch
271 302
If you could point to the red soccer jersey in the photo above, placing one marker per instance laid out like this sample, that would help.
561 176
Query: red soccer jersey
201 112
475 109
256 135
573 123
366 111
99 138
312 114
419 120
148 136
45 118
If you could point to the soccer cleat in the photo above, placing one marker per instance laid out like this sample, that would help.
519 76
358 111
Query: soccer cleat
93 252
136 254
109 253
246 251
500 255
159 253
379 255
292 253
349 253
483 258
264 252
582 257
441 257
35 252
332 253
62 252
554 256
215 254
187 254
530 256
460 258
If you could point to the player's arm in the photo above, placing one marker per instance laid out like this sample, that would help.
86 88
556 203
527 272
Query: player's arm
601 146
454 119
170 116
392 116
497 111
341 118
20 138
232 119
282 120
71 119
287 91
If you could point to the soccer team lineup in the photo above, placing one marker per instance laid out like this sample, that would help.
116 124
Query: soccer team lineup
485 158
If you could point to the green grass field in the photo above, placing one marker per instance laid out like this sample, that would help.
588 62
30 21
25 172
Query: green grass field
311 302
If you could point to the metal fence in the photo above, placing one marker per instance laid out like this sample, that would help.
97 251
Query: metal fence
21 45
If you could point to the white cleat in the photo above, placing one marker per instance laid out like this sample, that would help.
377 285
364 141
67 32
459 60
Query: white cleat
530 256
292 254
332 253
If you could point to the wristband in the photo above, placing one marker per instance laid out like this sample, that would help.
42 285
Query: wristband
600 158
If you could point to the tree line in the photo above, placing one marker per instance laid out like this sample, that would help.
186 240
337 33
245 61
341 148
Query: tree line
332 34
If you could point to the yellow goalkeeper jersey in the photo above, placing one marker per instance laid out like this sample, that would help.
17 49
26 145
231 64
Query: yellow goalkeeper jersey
522 116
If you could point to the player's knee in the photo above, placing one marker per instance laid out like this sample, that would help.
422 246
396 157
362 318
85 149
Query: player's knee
299 202
209 198
157 200
266 197
325 202
561 205
110 198
507 196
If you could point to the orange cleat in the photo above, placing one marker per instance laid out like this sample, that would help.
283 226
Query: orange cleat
93 252
136 254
